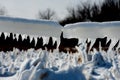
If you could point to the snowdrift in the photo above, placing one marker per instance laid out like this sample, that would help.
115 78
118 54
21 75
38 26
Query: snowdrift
30 27
93 30
51 28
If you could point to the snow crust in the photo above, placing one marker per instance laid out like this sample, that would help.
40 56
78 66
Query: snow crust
93 29
51 28
30 27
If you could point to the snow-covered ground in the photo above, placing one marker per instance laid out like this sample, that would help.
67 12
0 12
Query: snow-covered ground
42 65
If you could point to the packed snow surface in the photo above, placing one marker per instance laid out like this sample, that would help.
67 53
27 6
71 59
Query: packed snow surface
93 29
52 28
30 27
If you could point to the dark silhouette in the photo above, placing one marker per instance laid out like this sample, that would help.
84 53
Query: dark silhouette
68 45
32 44
10 42
101 42
24 44
7 43
50 46
55 45
19 46
39 44
15 42
2 41
28 42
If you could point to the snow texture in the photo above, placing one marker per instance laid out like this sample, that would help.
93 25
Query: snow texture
93 29
30 27
42 65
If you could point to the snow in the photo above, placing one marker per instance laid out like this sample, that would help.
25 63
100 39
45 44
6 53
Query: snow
93 30
51 28
30 27
43 65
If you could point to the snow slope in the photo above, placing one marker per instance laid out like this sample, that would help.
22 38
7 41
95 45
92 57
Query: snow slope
30 27
93 29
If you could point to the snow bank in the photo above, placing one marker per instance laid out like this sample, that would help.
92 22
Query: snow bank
93 29
51 28
42 65
30 27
